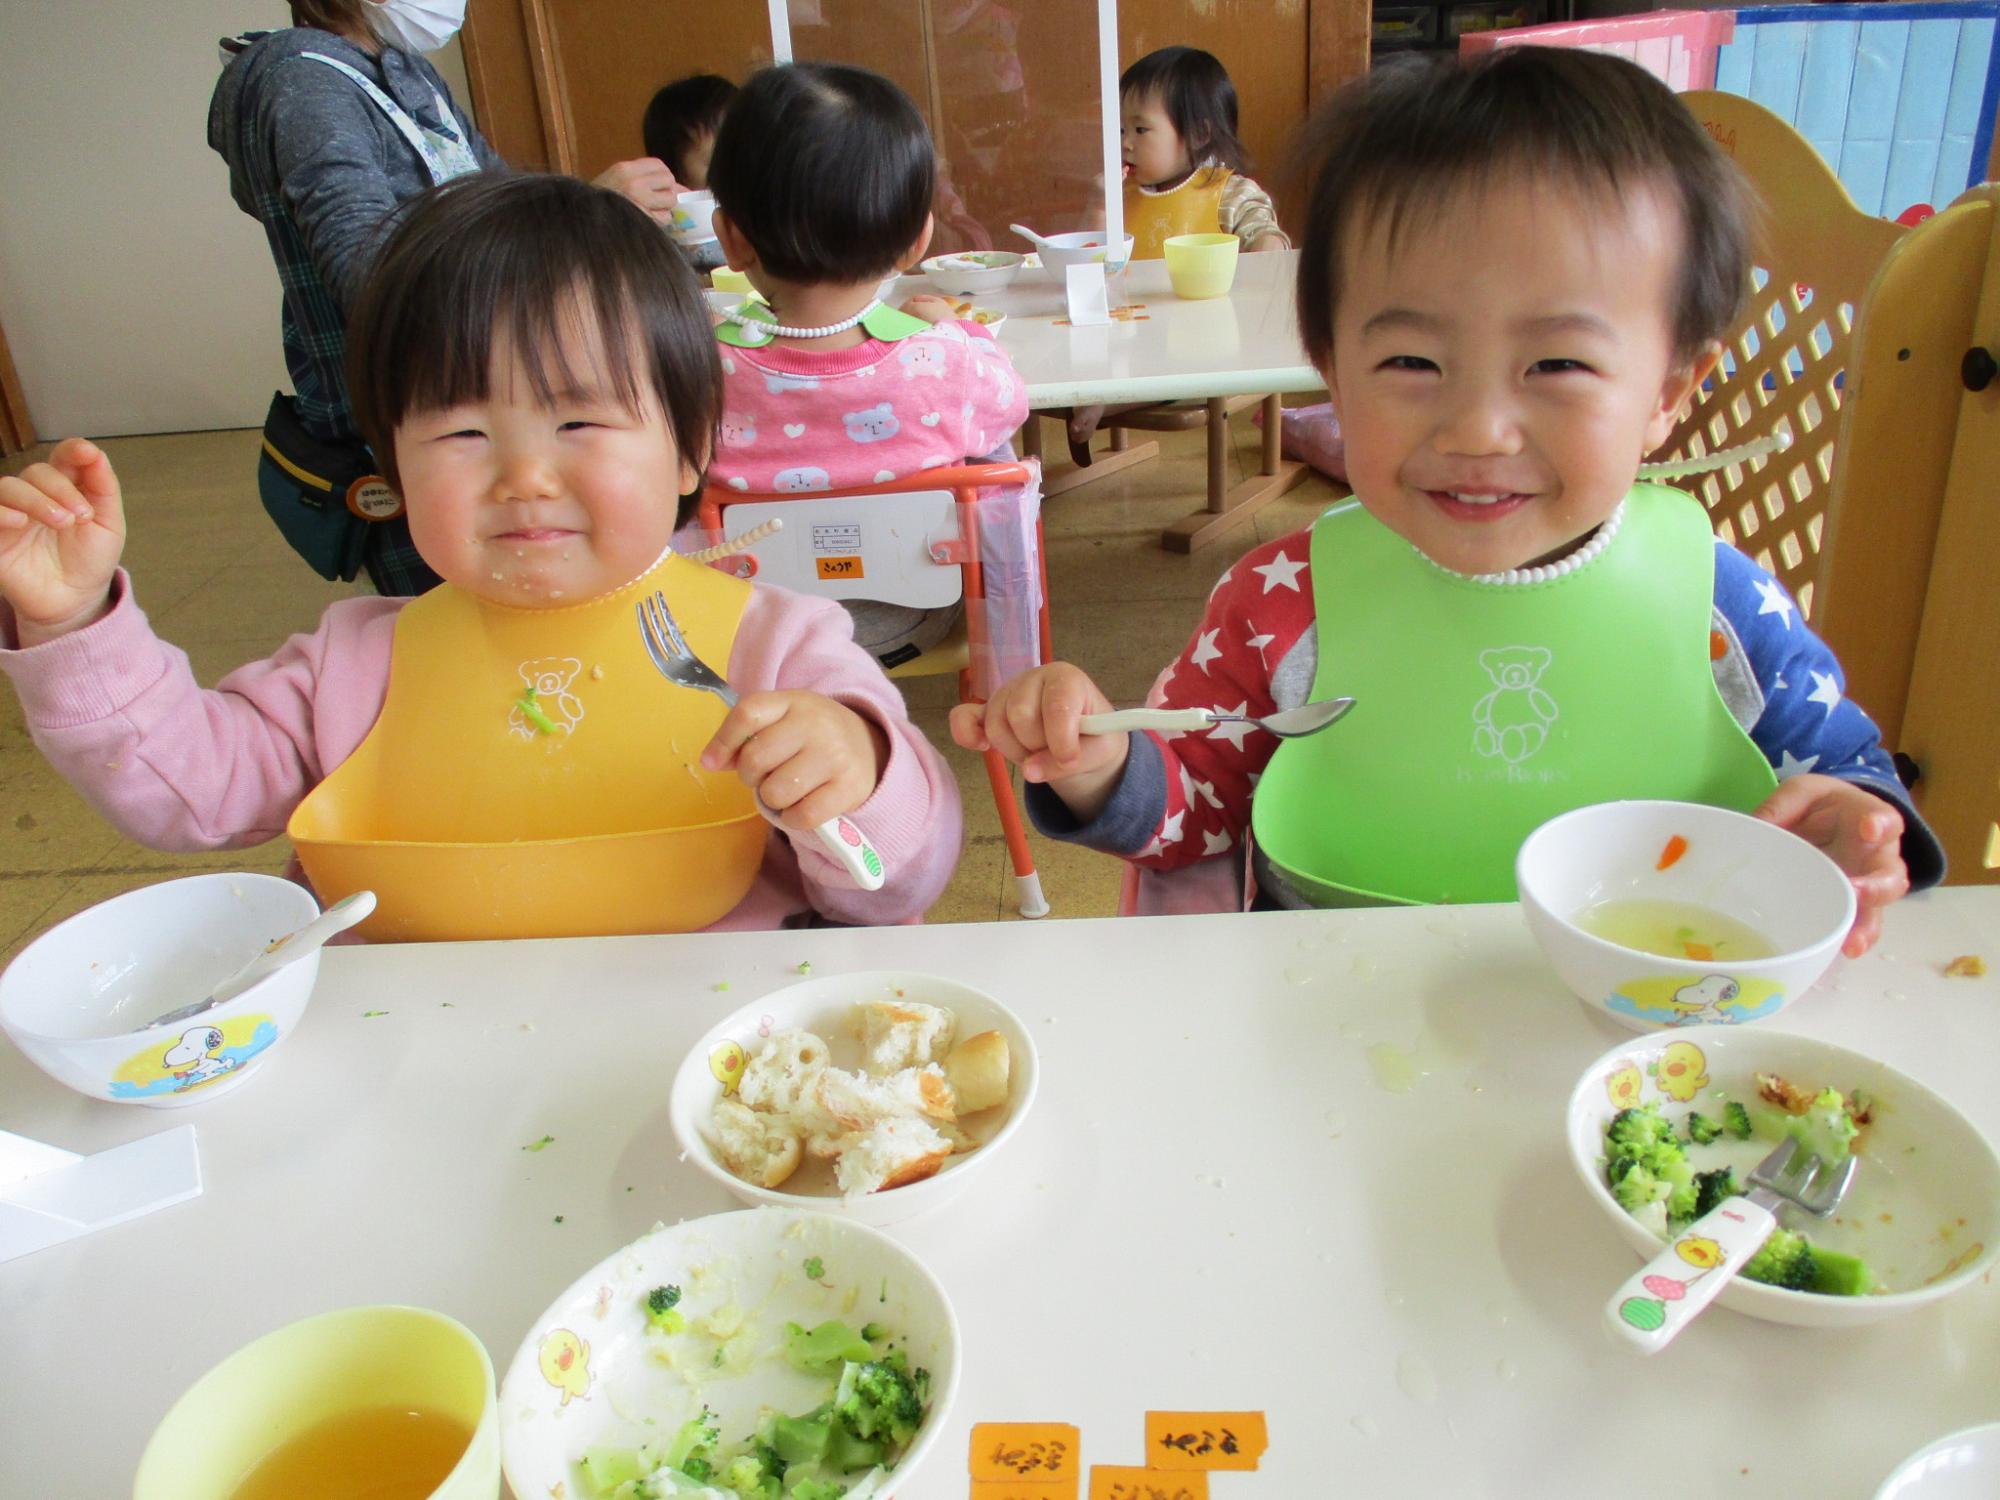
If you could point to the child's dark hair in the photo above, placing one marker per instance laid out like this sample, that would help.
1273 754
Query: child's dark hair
1195 93
515 258
827 171
683 112
1399 143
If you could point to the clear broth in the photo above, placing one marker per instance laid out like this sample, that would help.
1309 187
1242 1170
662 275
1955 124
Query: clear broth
1675 929
387 1453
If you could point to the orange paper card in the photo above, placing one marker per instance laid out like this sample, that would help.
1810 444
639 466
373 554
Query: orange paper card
1025 1489
1038 1451
1111 1483
1205 1439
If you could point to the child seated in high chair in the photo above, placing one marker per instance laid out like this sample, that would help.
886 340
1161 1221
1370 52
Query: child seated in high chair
500 757
1515 273
823 179
679 129
1185 173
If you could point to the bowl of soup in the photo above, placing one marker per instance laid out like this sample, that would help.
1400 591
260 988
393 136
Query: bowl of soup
1674 914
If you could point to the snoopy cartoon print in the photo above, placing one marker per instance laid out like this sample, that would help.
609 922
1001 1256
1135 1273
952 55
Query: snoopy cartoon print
1701 1002
548 678
1512 721
195 1060
877 424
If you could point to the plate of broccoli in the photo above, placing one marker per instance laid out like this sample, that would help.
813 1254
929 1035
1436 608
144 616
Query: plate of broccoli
769 1354
1664 1127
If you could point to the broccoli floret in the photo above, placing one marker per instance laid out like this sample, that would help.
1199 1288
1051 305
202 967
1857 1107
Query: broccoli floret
817 1489
1702 1131
1639 1131
661 1309
1711 1188
691 1450
1825 1129
1786 1260
822 1350
875 1333
1736 1120
1837 1275
878 1399
756 1475
1644 1164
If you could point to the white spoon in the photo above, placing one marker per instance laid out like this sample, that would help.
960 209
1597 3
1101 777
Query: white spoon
1028 234
293 946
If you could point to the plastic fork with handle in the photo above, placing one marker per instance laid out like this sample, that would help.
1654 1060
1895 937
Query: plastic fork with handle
1655 1305
680 666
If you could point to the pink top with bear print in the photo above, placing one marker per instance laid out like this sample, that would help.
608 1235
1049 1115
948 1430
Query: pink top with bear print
795 420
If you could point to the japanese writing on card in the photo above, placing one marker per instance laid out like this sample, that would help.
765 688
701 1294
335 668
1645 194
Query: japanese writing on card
1025 1451
1205 1439
1108 1482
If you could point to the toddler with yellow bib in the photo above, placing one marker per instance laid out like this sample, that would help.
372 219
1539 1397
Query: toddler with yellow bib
500 757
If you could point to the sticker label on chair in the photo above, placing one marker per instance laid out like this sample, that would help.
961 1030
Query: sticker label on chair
830 539
840 567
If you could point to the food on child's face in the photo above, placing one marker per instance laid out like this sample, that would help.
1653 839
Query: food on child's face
1675 929
1656 1180
1966 966
978 1069
892 1122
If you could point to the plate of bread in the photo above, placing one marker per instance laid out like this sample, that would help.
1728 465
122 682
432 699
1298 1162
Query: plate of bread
872 1094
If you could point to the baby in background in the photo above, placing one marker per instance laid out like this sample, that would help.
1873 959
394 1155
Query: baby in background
535 365
679 128
823 179
1515 273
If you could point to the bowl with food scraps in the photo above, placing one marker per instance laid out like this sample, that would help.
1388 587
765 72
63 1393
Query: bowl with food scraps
1663 1127
694 213
973 273
1675 914
744 1355
873 1095
1081 247
78 1000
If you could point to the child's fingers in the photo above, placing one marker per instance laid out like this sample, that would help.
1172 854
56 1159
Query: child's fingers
1063 703
1862 935
968 727
1790 803
41 494
751 717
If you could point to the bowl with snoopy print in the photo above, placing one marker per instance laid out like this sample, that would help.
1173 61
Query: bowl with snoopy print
78 999
1667 914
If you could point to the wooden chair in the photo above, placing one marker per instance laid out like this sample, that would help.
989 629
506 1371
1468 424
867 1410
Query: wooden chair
911 541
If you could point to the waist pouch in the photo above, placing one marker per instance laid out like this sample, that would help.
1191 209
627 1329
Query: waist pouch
303 481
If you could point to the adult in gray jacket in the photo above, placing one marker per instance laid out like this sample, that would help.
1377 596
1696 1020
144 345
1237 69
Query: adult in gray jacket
327 127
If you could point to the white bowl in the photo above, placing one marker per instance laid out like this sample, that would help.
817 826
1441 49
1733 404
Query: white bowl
1740 866
588 1374
1924 1210
694 212
1079 248
972 273
76 1000
825 1007
1963 1466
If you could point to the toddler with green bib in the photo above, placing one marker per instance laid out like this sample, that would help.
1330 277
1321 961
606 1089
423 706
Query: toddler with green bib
1515 272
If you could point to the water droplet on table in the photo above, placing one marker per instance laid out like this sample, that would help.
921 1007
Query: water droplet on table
1296 974
1366 1426
1508 1371
1418 1380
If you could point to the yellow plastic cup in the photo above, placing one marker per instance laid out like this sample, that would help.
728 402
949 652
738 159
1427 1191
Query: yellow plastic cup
357 1359
1201 265
725 280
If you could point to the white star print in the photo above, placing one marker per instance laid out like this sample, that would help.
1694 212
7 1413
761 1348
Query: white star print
1237 732
1775 602
1280 572
1257 642
1170 829
1790 767
1826 691
1780 685
1215 843
1205 650
1156 847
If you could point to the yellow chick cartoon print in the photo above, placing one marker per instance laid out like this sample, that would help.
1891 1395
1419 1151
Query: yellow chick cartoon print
565 1361
1623 1086
1683 1071
1700 1252
727 1062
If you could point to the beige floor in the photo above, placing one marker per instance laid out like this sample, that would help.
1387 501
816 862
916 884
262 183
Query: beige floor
220 583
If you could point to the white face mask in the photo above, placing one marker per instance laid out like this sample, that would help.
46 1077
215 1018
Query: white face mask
417 25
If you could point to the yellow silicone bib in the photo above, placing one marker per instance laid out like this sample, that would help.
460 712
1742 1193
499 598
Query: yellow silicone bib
533 775
1195 207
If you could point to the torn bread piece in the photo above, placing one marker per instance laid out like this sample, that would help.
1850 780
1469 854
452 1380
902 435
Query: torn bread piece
761 1149
858 1102
784 1074
961 1139
978 1069
889 1154
899 1034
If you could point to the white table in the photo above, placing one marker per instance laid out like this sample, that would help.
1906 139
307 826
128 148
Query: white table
1213 1206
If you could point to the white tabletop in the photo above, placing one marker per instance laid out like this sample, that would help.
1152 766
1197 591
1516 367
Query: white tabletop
1213 1205
1244 344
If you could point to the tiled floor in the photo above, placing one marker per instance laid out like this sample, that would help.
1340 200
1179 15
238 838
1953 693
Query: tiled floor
220 584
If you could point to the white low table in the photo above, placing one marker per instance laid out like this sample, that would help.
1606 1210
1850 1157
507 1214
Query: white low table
1213 1206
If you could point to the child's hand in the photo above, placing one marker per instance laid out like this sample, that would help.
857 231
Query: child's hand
62 530
807 756
932 308
1032 721
1855 829
647 181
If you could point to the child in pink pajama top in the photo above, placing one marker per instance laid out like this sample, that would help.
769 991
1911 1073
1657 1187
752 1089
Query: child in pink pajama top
536 362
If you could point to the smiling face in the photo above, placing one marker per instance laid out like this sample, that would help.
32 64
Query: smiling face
1154 151
1501 369
540 505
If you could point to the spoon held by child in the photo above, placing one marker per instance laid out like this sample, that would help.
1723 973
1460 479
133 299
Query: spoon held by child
1286 724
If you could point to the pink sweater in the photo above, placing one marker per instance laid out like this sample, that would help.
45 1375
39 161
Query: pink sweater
795 420
174 766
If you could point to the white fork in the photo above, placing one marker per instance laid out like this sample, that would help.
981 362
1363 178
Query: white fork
680 666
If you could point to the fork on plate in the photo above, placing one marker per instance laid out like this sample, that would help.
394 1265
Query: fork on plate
1656 1304
680 666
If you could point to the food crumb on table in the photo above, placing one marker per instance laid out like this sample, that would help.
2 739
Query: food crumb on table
1966 966
367 1013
